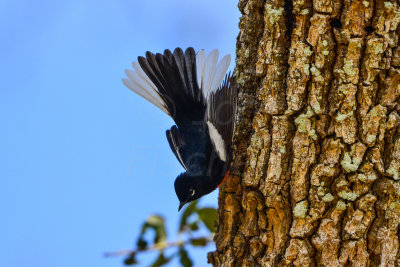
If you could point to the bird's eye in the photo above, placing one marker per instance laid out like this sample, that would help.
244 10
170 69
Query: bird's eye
192 192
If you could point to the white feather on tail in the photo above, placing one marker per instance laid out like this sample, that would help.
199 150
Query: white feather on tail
209 70
139 83
220 72
209 73
200 63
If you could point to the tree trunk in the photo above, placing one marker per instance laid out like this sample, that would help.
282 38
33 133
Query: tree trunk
315 177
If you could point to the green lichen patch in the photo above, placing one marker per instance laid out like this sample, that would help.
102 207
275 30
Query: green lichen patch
303 123
316 106
378 48
366 178
300 210
348 195
315 71
348 68
350 164
328 198
388 5
307 51
306 69
273 13
371 138
341 205
341 117
393 205
304 12
313 134
321 191
247 53
393 172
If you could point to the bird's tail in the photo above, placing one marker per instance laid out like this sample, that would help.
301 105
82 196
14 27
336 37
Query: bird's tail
178 83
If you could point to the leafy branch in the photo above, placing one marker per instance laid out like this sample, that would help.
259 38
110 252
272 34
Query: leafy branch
192 219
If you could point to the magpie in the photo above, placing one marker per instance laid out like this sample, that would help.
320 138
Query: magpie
191 89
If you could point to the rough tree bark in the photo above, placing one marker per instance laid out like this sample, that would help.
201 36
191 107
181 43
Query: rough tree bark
317 144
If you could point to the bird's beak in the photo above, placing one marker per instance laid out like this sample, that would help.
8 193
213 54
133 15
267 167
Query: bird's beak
181 204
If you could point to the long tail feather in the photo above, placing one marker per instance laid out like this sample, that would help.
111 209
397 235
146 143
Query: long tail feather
220 72
209 70
178 83
200 64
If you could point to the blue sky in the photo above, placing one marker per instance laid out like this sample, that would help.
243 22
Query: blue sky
84 160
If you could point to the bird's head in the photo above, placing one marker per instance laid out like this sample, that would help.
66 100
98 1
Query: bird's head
188 188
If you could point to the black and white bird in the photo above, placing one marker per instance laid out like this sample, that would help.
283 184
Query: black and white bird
189 88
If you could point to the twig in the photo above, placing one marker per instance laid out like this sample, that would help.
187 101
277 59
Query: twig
159 246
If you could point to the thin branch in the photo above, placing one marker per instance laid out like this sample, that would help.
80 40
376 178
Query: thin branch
157 247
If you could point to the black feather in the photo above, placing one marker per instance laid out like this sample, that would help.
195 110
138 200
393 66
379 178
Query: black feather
174 75
177 144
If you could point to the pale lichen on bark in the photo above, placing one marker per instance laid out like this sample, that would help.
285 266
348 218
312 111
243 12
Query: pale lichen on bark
316 171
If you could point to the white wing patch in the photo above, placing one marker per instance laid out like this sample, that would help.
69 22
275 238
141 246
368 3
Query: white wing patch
209 73
139 83
217 140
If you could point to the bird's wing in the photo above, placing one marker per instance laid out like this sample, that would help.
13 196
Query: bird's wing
220 117
177 144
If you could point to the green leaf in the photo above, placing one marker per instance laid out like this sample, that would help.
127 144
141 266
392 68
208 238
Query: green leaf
189 210
184 257
194 226
131 260
141 243
161 260
199 242
157 224
208 216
